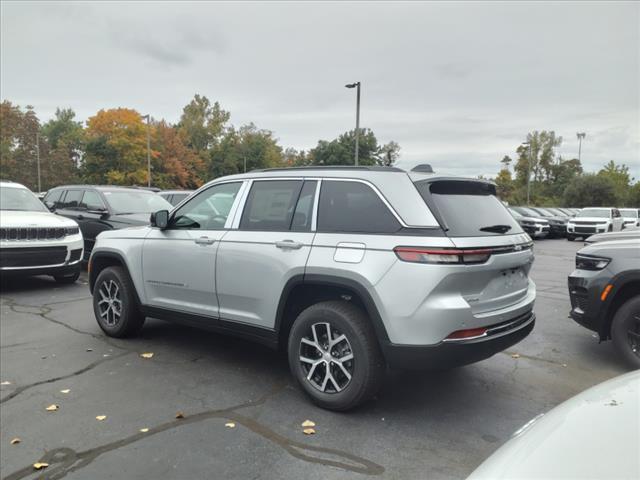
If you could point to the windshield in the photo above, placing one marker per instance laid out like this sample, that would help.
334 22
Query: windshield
543 212
629 212
20 199
468 209
135 201
557 212
514 213
594 212
527 211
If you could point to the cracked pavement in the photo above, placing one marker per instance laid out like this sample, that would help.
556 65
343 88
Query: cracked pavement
422 425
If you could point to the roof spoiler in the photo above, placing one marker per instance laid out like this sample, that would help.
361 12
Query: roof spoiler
422 168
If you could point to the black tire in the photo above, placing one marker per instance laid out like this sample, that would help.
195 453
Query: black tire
610 229
68 278
571 238
130 320
625 322
367 367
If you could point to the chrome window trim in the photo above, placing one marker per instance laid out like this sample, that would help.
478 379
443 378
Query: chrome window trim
242 199
316 205
234 208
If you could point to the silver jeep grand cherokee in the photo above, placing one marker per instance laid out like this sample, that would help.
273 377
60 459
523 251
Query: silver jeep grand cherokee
350 269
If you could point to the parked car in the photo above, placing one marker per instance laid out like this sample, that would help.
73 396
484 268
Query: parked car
567 211
535 227
340 266
593 435
33 241
534 221
99 208
628 233
605 294
630 217
174 197
557 221
594 220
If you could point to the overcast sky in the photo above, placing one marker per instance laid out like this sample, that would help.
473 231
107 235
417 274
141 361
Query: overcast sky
456 85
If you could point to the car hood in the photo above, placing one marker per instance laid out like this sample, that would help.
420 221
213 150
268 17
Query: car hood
130 219
590 219
592 435
534 219
11 218
558 219
623 235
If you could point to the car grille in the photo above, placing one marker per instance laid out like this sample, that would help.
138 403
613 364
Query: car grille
585 229
32 257
579 299
585 223
36 233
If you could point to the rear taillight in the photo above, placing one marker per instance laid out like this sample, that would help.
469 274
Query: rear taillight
442 255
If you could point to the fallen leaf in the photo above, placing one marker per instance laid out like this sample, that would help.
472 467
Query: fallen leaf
179 415
564 364
5 383
52 408
40 465
146 355
101 417
15 441
309 431
106 355
308 424
66 390
144 430
230 425
515 355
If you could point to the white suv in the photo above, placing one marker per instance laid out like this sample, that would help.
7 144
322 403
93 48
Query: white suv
34 241
594 220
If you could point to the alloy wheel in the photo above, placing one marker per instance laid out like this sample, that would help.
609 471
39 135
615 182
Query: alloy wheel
110 303
326 358
633 334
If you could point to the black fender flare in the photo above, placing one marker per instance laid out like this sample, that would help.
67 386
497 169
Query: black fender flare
93 275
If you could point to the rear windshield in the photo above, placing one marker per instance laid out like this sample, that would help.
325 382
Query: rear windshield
468 209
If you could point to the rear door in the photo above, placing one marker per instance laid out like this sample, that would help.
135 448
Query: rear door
90 219
268 244
474 219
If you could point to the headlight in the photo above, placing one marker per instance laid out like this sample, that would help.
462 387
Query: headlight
72 230
587 262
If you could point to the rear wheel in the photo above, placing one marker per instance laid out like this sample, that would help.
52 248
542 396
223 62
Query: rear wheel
625 331
114 304
334 355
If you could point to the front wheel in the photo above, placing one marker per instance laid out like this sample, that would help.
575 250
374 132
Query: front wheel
571 238
334 355
68 278
625 331
114 304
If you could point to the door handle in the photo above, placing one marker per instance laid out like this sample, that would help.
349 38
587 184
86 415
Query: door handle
289 244
204 241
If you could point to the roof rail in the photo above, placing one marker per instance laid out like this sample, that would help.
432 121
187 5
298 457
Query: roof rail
372 168
422 168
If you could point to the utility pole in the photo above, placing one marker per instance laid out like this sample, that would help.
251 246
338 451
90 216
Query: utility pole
38 159
528 172
148 117
357 86
580 136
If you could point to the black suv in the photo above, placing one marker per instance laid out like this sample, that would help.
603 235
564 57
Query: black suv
97 208
605 294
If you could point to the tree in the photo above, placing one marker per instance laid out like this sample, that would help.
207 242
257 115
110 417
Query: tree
538 158
116 148
504 185
18 144
175 165
633 200
341 151
590 190
202 124
506 162
62 148
619 176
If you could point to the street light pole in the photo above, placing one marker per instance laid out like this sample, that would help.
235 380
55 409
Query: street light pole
38 159
147 116
357 86
580 136
528 171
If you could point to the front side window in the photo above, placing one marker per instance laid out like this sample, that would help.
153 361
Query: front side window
91 201
208 210
629 212
353 207
124 201
72 199
20 199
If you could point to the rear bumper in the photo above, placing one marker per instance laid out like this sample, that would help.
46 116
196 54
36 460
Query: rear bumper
455 354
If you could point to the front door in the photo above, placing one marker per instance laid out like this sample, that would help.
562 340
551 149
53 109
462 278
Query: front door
179 262
270 246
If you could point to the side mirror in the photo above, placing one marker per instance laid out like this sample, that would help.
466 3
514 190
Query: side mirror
160 219
50 205
98 211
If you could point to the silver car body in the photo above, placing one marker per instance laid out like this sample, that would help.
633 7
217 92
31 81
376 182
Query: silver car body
240 276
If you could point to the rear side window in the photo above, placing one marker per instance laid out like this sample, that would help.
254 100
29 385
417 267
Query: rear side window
467 208
353 207
301 221
270 205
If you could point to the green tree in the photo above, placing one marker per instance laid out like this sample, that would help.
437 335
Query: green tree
341 151
504 185
202 124
18 144
539 159
64 143
619 176
633 199
590 190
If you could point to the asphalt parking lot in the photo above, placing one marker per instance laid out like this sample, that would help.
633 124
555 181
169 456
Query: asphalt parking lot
422 425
